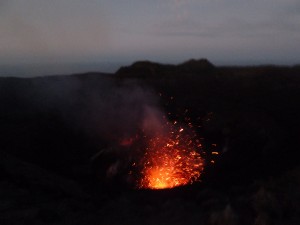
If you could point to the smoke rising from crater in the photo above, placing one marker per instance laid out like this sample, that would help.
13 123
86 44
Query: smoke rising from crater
107 109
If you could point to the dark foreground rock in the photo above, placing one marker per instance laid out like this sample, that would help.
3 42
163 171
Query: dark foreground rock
31 195
52 127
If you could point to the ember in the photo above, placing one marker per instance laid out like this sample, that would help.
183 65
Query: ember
171 159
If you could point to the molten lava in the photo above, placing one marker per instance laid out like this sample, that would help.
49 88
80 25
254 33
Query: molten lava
171 159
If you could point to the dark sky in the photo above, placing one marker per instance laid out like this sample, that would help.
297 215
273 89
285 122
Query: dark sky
224 31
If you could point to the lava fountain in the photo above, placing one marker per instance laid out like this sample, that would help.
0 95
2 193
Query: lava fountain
171 158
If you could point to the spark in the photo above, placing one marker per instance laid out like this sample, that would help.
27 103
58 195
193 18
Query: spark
171 160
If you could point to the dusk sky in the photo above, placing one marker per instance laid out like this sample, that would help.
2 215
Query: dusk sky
223 31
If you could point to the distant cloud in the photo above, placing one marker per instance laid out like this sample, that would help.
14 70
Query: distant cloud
58 30
3 4
256 19
34 30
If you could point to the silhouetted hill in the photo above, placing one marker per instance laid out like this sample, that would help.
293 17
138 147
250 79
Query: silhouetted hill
196 66
144 69
152 69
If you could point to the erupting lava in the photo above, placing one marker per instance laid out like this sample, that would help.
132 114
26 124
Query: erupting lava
171 159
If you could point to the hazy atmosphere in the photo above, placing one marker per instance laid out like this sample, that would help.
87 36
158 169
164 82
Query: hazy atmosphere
90 35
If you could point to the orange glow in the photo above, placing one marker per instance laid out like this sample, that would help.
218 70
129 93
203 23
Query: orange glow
171 159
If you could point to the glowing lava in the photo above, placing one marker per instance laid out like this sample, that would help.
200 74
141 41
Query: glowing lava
171 159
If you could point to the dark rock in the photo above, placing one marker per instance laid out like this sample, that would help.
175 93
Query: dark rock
34 177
